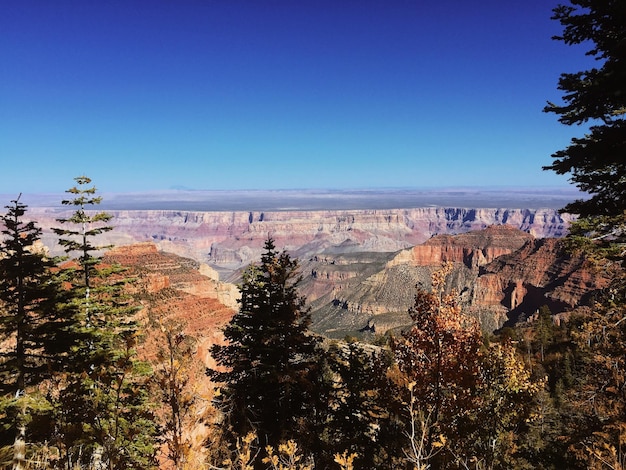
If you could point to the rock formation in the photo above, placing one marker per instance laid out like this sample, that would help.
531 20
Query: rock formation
539 273
501 273
363 265
473 249
160 270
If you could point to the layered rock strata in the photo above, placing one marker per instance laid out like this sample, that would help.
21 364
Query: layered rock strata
539 273
230 240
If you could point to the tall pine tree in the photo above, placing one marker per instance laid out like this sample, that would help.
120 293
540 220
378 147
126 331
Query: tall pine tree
105 415
357 408
595 162
597 165
29 323
24 288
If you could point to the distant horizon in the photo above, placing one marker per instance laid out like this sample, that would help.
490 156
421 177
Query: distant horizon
525 197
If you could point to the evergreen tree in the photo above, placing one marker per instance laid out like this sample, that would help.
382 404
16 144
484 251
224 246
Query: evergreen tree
596 161
104 417
84 226
24 276
266 369
544 330
28 290
357 404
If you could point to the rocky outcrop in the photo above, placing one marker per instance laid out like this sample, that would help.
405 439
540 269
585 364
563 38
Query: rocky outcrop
502 274
157 271
473 249
390 289
539 273
171 288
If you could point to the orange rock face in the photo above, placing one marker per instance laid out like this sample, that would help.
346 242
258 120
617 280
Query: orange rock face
171 288
473 249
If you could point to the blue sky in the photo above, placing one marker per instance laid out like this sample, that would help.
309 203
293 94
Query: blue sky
216 94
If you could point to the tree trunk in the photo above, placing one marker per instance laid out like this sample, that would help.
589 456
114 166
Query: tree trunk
19 447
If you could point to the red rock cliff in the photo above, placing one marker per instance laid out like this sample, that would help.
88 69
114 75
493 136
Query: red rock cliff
170 287
473 249
541 272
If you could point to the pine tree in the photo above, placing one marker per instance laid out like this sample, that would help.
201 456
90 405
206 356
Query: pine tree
357 404
544 329
104 413
28 290
597 166
595 162
84 227
99 316
24 276
266 368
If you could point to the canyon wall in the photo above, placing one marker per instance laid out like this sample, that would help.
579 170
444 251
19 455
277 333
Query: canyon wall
501 273
170 288
230 240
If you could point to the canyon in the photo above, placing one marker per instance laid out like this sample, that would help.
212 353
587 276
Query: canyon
361 267
501 274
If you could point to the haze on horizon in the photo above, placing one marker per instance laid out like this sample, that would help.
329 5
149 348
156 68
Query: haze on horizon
320 200
144 96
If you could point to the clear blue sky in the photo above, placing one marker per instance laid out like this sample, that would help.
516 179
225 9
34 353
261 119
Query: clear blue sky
227 94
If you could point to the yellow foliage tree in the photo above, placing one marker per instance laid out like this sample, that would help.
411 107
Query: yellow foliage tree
439 359
505 394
